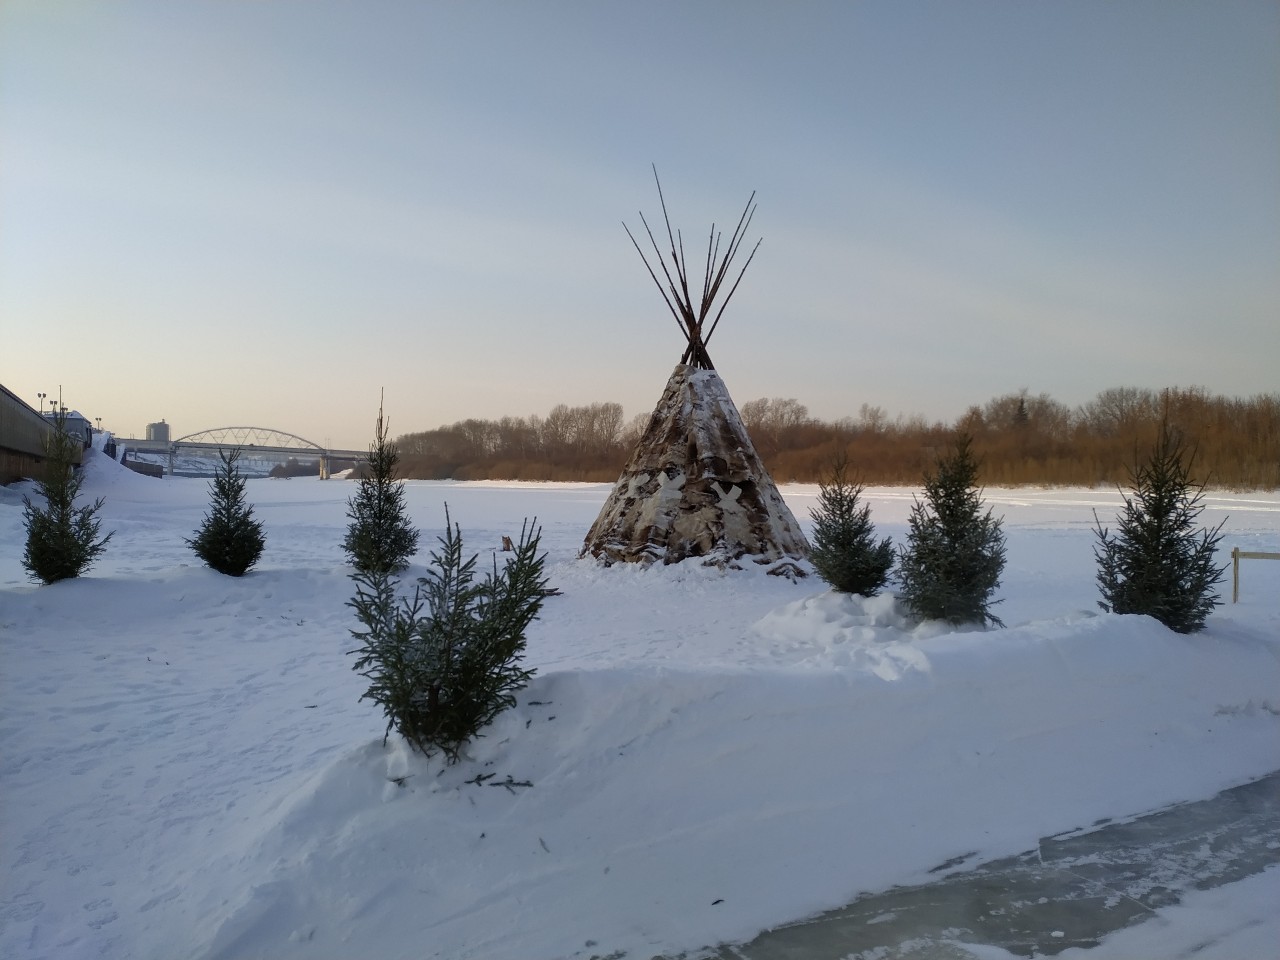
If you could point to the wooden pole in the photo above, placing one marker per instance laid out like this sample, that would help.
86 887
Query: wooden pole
676 290
1236 556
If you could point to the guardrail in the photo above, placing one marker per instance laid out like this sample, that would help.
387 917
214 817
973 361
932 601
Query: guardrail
1236 556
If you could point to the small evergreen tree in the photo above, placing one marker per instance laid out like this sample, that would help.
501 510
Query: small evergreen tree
62 539
955 553
1157 563
229 540
845 552
445 662
380 538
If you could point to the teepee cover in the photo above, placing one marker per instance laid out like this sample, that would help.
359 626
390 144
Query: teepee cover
695 487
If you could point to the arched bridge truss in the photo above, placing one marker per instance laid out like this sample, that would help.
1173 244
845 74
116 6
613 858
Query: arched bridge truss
262 442
249 437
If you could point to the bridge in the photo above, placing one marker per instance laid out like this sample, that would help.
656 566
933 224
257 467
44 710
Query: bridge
250 441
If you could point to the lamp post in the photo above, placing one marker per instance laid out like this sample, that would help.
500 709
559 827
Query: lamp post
42 396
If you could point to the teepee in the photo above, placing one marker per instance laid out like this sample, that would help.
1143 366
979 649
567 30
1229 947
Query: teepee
695 486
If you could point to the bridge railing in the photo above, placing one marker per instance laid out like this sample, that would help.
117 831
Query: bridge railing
323 454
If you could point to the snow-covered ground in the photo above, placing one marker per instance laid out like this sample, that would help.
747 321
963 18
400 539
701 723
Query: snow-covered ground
186 769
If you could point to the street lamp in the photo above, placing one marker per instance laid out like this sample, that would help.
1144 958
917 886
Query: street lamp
99 419
42 396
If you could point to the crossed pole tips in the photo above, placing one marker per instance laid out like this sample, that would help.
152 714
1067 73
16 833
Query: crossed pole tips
675 293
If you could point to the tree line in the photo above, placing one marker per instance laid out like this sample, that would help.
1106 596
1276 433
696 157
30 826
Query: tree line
1019 438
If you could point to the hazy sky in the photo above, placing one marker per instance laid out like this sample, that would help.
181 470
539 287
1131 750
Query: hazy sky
228 213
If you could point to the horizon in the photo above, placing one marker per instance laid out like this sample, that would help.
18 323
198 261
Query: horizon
266 214
885 417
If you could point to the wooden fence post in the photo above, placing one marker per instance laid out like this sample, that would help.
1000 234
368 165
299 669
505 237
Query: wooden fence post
1236 556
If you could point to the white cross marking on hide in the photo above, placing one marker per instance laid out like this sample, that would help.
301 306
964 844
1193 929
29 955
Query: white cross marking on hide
732 495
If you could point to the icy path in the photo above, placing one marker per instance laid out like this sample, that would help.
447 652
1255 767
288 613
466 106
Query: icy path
1071 891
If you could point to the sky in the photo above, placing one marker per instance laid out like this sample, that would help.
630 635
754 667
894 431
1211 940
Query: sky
270 213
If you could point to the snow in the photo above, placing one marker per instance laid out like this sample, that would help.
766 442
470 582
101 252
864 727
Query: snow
187 770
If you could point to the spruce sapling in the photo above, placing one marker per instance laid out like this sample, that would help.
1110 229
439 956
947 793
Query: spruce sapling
845 552
229 540
62 539
446 661
380 538
1157 562
955 553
